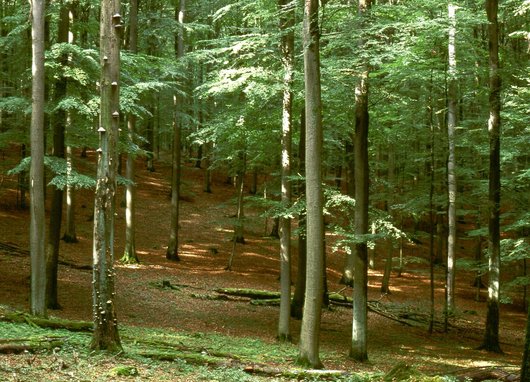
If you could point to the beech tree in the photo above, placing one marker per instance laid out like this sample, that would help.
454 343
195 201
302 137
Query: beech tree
310 331
36 177
491 335
358 349
287 51
106 336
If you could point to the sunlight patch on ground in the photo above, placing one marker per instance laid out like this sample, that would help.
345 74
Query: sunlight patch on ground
140 266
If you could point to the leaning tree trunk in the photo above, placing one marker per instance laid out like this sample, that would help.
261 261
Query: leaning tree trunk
287 50
310 331
358 349
129 254
106 336
56 213
172 248
37 231
491 335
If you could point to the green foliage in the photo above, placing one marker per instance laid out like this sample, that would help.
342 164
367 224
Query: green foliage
63 176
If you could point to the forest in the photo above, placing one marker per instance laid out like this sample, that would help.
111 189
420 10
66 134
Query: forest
258 190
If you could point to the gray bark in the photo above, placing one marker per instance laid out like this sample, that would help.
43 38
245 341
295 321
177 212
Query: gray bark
287 50
130 255
106 336
310 331
358 349
451 163
491 335
36 189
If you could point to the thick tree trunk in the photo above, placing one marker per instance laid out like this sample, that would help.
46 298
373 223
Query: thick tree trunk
106 336
37 223
172 248
129 255
287 50
491 335
310 331
358 349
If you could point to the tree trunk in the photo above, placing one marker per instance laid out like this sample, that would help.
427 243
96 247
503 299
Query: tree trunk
347 273
106 336
287 51
37 223
59 122
70 235
451 163
238 227
129 255
297 303
310 331
491 336
358 350
525 366
172 248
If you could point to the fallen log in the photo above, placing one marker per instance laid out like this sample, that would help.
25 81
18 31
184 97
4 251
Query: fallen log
21 345
254 294
478 374
51 323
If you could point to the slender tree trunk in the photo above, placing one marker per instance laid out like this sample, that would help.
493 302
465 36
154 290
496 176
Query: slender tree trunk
106 336
310 331
451 163
37 223
431 214
70 236
59 122
129 255
358 350
525 365
297 303
172 248
347 273
287 50
491 335
238 228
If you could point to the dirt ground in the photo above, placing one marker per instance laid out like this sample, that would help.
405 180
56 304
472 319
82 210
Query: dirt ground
205 245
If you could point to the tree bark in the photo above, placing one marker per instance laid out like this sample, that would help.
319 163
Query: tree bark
37 212
129 255
172 248
297 303
358 349
451 163
310 331
287 51
491 335
59 122
106 336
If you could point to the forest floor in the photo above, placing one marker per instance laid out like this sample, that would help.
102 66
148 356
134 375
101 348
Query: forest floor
206 229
